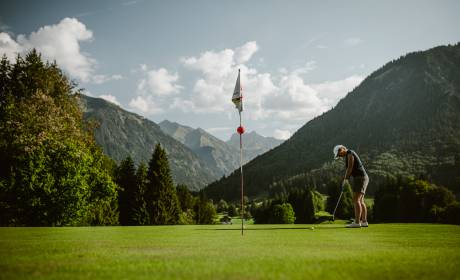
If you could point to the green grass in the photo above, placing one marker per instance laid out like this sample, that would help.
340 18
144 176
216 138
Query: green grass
383 251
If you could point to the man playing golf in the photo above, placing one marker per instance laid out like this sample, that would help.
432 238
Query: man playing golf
355 169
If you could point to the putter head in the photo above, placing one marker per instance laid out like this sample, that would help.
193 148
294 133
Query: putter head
333 218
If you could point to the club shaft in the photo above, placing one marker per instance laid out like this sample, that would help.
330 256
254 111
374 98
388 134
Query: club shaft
338 201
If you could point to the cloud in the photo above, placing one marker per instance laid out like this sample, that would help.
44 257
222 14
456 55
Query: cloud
284 99
159 82
110 98
281 134
212 91
245 52
60 42
100 79
352 41
146 105
299 101
9 47
286 96
155 91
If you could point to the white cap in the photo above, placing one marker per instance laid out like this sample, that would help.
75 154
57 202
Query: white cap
336 149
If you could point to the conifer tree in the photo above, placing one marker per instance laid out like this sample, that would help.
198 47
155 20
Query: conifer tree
127 184
141 216
162 203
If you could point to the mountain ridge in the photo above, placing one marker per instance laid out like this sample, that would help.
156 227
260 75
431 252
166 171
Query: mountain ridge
408 107
121 133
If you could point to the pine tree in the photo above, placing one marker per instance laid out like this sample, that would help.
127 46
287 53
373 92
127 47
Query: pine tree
141 215
127 184
162 203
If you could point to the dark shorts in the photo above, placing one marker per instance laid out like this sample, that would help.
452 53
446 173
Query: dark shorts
359 184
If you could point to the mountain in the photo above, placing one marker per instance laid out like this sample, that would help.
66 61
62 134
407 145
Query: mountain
254 144
404 118
121 133
222 158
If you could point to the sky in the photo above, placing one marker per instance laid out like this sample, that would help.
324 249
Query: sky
179 60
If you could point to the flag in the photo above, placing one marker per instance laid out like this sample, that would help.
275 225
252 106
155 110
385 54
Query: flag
237 98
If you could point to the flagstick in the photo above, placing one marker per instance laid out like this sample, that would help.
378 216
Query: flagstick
241 170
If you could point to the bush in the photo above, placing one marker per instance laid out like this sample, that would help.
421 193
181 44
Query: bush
451 214
283 214
412 200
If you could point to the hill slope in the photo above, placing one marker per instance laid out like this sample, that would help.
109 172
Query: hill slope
121 133
409 110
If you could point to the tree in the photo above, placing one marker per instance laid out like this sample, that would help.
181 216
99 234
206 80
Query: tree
232 212
52 171
205 212
345 208
186 199
283 214
141 215
187 202
162 203
406 199
222 206
127 192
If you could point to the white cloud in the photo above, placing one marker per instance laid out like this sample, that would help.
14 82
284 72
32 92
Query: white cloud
281 134
299 101
110 98
212 91
146 105
212 64
60 42
352 41
100 79
156 91
245 52
159 82
9 47
285 97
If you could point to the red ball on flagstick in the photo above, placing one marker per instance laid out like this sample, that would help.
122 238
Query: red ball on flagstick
240 130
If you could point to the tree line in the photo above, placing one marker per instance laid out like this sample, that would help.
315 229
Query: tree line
52 172
147 196
397 199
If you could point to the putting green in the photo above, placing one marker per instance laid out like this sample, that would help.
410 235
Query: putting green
383 251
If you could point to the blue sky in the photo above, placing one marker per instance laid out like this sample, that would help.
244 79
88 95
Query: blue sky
178 60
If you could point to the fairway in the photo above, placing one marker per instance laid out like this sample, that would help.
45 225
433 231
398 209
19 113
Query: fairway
382 251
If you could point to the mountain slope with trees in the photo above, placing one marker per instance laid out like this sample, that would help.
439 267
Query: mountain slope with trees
403 118
121 134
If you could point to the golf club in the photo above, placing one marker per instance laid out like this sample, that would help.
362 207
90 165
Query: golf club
338 201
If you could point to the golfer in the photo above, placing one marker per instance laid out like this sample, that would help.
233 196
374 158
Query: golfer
355 169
